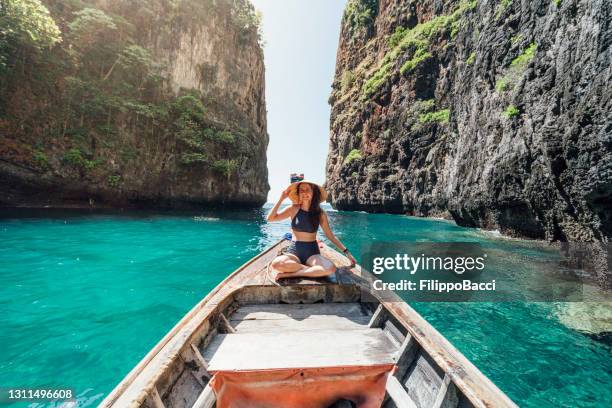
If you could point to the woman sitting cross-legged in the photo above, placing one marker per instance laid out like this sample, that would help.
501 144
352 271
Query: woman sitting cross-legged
302 258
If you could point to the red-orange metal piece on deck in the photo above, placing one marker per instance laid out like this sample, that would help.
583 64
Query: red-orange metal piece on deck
298 388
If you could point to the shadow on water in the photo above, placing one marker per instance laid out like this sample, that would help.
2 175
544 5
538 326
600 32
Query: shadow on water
239 214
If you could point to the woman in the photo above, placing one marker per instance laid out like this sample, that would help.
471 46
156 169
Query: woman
302 258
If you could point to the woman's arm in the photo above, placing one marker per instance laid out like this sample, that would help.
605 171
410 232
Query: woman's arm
286 213
330 235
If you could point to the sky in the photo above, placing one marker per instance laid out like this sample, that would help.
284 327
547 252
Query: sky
301 39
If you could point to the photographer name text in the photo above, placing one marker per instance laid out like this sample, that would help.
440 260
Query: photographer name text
433 285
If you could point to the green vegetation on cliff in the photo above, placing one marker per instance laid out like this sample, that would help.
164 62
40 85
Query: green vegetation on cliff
501 8
25 27
359 15
354 154
419 57
93 94
515 70
511 111
413 46
348 78
440 116
524 58
471 58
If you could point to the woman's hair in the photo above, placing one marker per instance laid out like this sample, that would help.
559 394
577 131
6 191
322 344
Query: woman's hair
315 208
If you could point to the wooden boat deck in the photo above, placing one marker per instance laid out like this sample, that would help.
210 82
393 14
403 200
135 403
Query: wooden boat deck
287 317
273 337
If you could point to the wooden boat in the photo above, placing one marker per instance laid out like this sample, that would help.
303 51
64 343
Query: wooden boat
303 343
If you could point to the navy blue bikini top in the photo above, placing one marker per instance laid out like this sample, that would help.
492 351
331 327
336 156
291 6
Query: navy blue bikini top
302 222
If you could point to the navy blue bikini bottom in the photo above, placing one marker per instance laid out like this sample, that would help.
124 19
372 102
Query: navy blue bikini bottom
303 249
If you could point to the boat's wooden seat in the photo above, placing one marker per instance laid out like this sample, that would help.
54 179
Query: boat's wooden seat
288 317
283 336
295 349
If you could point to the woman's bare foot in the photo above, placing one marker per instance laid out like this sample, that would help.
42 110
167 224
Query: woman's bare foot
281 275
284 275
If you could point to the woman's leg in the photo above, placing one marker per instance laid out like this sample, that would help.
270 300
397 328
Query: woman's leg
317 266
287 263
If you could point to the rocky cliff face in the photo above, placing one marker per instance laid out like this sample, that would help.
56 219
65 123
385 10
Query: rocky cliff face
157 104
494 113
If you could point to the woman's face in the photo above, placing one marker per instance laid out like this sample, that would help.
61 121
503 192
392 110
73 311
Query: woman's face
305 192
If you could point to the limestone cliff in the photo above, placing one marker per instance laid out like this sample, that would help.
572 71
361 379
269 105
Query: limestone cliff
494 113
157 104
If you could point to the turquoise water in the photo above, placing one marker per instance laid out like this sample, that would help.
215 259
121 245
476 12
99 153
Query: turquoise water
85 296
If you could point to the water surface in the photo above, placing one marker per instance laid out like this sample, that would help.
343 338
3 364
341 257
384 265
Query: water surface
86 295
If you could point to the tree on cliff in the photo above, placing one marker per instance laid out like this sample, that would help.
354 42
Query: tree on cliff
88 89
25 25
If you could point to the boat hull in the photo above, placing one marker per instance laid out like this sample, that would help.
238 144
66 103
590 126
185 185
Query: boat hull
304 325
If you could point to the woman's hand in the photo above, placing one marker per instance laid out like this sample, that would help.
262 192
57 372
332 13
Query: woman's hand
351 258
286 213
284 194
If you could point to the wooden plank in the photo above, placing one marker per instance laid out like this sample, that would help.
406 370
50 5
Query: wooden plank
398 394
184 391
423 381
309 323
393 332
298 311
226 324
200 359
206 399
258 278
405 356
156 400
195 376
323 348
297 294
447 395
326 280
378 317
195 364
343 275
